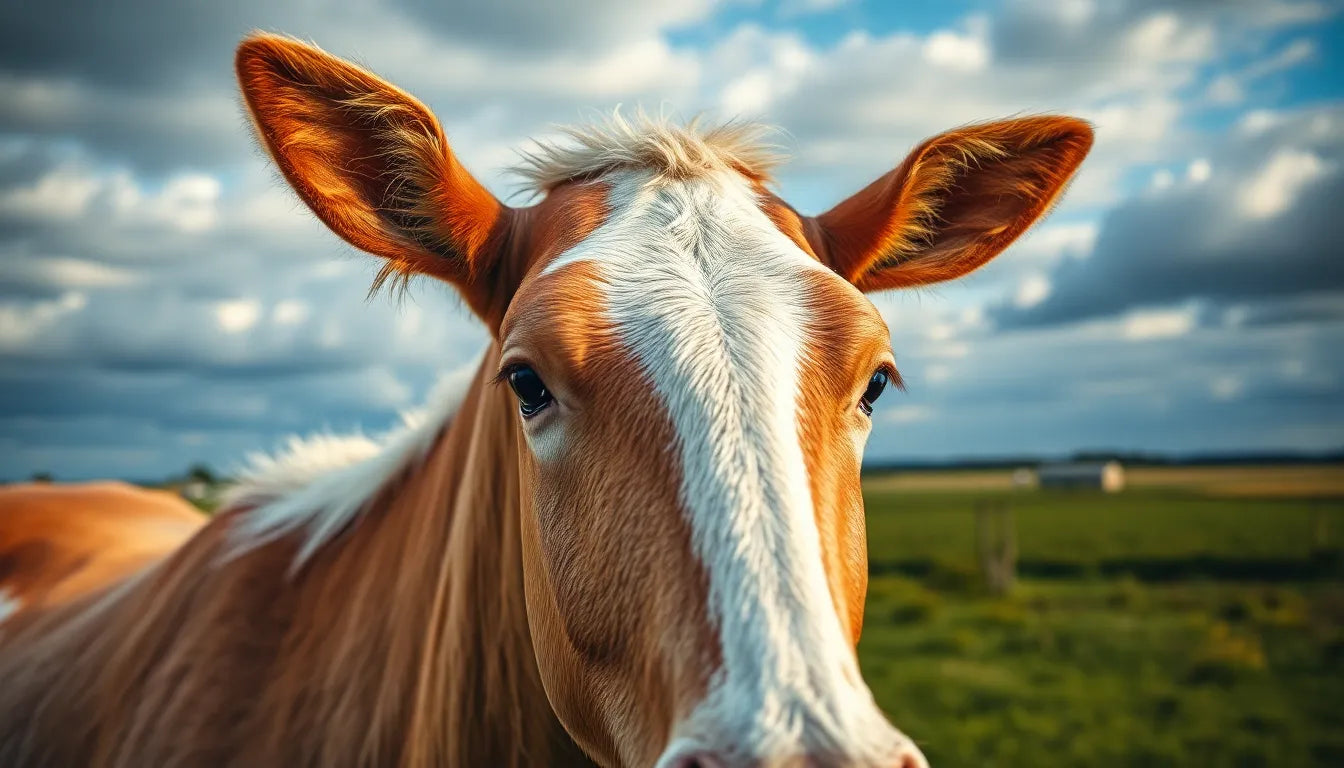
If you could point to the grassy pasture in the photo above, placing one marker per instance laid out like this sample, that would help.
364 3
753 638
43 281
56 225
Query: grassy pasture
1194 619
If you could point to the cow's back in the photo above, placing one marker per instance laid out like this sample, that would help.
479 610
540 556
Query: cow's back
59 542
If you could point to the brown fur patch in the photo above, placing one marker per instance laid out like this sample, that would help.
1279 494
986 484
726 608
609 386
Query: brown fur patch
847 341
58 542
787 220
617 599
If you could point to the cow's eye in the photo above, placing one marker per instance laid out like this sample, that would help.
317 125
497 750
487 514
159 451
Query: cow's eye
876 385
533 397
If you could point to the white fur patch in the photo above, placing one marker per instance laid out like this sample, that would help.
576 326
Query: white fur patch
320 484
710 297
9 603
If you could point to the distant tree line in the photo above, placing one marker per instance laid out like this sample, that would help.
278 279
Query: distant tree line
1128 458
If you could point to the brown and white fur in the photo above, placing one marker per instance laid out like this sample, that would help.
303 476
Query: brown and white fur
666 566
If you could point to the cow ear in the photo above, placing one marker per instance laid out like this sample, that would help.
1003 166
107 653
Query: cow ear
372 162
956 202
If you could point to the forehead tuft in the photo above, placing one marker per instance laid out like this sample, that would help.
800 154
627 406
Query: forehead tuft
647 232
669 150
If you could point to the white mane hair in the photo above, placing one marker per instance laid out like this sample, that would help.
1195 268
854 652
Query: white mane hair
321 483
671 150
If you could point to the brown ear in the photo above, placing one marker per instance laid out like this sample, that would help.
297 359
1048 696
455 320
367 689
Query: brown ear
372 163
955 203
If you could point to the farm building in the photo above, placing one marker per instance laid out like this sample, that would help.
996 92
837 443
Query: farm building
1107 476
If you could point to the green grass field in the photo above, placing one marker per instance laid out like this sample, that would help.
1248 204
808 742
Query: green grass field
1177 623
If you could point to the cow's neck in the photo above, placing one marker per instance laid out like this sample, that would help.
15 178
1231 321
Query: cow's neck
403 641
477 687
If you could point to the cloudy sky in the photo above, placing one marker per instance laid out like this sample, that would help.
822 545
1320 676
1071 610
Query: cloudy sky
165 300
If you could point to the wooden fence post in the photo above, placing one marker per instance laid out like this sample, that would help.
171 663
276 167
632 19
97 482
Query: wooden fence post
996 545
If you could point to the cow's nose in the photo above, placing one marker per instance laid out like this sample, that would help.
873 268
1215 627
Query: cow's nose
911 757
908 757
697 760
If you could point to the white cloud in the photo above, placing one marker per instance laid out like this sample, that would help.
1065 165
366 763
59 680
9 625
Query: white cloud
289 312
62 194
22 324
1258 121
186 202
759 68
237 315
1295 52
967 53
748 94
1275 188
1074 13
1145 325
194 126
1198 171
940 331
1143 122
64 272
1232 87
1225 89
385 389
1032 291
1163 36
